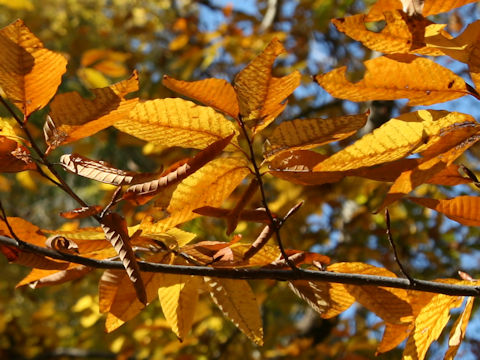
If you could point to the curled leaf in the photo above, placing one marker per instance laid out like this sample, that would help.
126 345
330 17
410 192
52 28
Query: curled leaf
61 244
116 232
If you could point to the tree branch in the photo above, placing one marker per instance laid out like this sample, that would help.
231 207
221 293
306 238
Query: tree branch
259 273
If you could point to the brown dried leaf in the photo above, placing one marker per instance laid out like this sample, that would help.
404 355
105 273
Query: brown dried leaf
29 73
61 244
82 212
102 171
144 192
116 232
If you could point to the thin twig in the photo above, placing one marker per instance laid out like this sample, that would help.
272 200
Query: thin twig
20 242
395 254
274 221
259 273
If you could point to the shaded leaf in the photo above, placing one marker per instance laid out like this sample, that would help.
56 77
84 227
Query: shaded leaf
217 93
308 133
61 244
238 303
29 73
418 79
177 122
102 171
38 261
178 296
14 157
73 117
116 232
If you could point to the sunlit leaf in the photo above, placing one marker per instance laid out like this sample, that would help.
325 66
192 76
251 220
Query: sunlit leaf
74 117
391 77
178 296
29 73
464 209
409 133
308 133
177 122
217 93
458 330
260 95
238 303
39 278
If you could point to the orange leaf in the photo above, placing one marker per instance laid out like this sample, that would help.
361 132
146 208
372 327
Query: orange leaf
393 336
418 79
260 95
396 37
24 230
39 278
458 330
217 93
29 73
464 209
116 232
74 118
14 157
259 215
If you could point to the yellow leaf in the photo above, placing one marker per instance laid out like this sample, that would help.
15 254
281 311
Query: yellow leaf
29 73
309 133
74 117
92 78
178 296
388 303
397 138
217 93
393 335
427 169
260 95
238 303
208 186
464 209
18 4
177 122
458 330
428 325
391 77
431 7
396 37
328 299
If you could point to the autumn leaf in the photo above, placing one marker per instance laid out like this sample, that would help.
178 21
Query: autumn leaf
217 93
14 157
143 192
177 122
74 117
409 133
209 186
393 335
458 330
429 324
260 95
388 303
82 212
257 215
401 35
24 230
418 79
309 133
178 295
238 303
464 209
116 232
328 299
102 171
29 73
38 278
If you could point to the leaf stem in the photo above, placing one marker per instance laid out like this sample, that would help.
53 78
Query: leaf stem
275 223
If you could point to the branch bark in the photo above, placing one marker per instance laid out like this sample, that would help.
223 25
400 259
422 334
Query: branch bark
258 273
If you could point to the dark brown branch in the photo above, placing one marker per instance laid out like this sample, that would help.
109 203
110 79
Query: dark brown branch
259 273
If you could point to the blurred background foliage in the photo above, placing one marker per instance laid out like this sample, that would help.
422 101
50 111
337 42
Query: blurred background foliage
104 41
